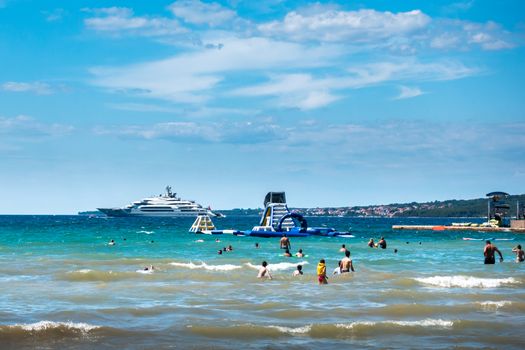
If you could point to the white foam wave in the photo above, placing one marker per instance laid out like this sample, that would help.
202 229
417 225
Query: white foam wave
466 281
494 304
146 232
45 325
429 322
84 271
145 271
279 266
290 330
203 265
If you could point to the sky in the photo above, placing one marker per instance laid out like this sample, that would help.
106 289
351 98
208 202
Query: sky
336 103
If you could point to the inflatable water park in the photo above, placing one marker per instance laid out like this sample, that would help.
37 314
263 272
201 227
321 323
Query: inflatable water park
277 220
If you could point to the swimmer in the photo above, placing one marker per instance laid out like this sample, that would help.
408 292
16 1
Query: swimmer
371 243
520 254
287 253
321 272
230 248
150 268
217 240
257 245
337 270
382 243
489 251
285 242
343 248
346 263
395 250
299 271
219 252
112 242
264 272
299 254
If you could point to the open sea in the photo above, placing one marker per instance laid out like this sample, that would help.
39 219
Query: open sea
63 287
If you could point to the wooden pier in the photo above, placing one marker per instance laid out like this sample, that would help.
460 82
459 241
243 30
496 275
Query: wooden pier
457 228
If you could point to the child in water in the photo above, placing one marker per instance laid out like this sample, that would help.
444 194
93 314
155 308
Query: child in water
321 272
299 271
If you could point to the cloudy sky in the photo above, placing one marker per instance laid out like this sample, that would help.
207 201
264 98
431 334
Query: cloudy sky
336 103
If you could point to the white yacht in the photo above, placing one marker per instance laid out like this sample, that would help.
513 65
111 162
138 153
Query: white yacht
167 204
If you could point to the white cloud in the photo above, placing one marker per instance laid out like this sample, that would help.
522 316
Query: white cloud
261 131
197 12
333 25
189 77
305 91
121 20
55 15
28 128
36 87
408 92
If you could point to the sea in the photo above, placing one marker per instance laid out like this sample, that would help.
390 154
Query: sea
63 287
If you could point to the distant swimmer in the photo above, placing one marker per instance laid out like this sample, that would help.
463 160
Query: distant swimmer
264 272
337 270
217 240
287 253
150 268
489 251
219 252
299 271
395 250
346 263
382 243
371 243
343 248
285 242
321 272
112 242
299 254
256 245
520 254
230 248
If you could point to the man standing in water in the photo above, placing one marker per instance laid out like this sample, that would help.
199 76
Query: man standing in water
285 242
489 251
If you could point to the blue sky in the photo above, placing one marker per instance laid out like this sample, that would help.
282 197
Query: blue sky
336 103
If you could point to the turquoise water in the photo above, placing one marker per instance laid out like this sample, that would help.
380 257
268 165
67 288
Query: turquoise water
63 286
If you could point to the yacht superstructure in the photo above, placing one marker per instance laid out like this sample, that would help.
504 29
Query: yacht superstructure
167 204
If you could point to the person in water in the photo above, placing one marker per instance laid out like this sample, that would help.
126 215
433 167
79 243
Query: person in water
299 271
264 272
321 272
150 268
371 243
257 245
219 252
520 254
285 242
346 263
230 248
299 254
489 251
112 242
287 253
382 243
337 270
343 248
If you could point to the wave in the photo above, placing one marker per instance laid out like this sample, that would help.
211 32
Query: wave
357 328
278 266
146 232
466 281
50 325
203 265
494 304
435 323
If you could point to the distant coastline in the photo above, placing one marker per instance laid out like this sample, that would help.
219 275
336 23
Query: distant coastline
468 208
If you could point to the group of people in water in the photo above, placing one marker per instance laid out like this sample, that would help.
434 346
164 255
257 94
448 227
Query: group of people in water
345 265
